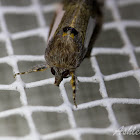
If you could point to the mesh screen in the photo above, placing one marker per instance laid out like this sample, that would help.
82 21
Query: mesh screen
32 108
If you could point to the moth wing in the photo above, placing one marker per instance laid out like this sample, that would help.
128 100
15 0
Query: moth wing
89 31
56 20
98 25
52 23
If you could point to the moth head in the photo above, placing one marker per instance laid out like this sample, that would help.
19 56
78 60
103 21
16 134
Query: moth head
59 74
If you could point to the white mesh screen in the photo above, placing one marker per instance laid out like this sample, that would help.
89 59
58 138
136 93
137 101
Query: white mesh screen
32 108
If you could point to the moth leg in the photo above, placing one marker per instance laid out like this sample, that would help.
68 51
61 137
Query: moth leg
73 84
41 67
98 27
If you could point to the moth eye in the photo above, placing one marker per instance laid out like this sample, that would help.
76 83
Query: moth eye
65 74
52 71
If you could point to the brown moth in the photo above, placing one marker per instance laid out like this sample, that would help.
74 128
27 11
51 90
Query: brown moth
71 38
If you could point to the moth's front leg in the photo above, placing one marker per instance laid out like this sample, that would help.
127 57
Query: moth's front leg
41 67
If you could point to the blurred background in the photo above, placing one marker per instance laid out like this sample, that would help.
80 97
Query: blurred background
108 96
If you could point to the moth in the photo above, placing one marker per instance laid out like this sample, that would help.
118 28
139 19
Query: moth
75 28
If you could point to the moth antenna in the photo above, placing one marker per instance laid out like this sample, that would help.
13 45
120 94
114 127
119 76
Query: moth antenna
37 68
73 84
